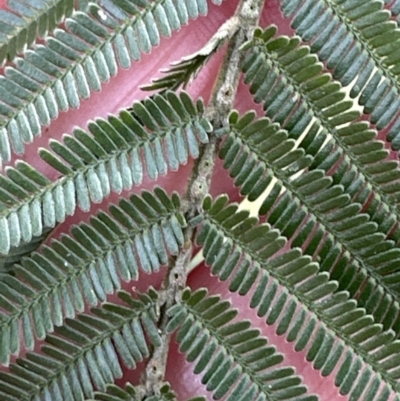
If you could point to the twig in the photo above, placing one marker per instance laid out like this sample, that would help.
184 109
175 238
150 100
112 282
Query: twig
185 70
171 291
222 101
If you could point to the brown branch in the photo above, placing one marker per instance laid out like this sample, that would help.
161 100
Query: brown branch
222 101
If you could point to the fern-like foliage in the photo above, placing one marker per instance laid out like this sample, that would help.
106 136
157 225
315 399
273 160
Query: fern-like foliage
306 92
83 354
365 43
318 261
334 331
23 23
160 134
371 62
315 211
78 59
231 357
17 253
365 172
84 267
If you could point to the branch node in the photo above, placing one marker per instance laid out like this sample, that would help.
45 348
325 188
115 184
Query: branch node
237 29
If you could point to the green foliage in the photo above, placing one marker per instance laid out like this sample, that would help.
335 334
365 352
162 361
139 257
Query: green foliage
334 32
84 267
314 212
109 159
84 353
232 357
329 325
318 261
322 98
78 59
22 23
364 172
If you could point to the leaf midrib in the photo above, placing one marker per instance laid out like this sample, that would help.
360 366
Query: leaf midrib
84 56
302 300
322 222
80 269
138 144
102 335
231 351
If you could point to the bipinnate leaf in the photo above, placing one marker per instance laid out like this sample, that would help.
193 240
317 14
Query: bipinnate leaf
234 360
337 335
78 59
84 267
160 134
86 353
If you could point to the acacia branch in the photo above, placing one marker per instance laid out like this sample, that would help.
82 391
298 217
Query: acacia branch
222 101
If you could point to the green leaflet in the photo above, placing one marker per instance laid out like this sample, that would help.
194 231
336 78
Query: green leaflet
160 134
337 24
327 323
21 23
71 364
315 213
16 254
234 360
363 158
305 92
86 266
73 62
